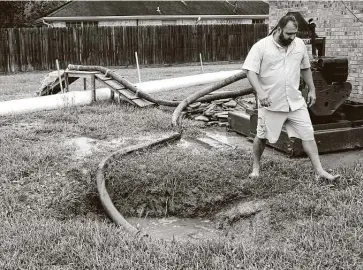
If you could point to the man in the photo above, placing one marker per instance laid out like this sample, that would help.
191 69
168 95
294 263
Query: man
273 67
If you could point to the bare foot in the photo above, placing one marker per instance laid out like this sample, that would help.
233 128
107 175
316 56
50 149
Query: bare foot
255 173
328 176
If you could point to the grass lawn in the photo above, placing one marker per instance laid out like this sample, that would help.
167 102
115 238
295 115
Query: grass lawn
51 217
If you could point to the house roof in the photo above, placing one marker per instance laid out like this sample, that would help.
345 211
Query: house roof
150 8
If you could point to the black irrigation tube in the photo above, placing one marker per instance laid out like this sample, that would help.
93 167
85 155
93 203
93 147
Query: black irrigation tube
133 88
105 198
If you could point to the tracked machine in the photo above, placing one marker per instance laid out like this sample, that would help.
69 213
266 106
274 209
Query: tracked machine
338 122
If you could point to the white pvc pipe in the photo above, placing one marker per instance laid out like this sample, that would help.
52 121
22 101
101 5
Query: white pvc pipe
52 102
81 98
183 82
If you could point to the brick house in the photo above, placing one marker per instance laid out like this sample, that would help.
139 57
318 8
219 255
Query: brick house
341 22
138 13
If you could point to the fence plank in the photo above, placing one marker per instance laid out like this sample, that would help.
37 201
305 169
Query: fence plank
37 48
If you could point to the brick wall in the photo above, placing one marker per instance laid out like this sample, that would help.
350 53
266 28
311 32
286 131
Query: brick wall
343 32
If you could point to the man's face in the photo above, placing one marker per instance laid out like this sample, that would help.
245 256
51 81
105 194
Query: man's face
287 34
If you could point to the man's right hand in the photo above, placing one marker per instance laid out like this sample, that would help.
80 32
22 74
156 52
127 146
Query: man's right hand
264 99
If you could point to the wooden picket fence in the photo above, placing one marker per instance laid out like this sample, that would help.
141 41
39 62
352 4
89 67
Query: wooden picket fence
24 49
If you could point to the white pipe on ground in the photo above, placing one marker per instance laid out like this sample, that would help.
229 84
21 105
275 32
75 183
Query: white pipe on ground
52 102
81 98
183 82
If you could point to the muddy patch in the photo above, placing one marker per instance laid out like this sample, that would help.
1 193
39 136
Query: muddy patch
179 229
242 222
245 222
86 146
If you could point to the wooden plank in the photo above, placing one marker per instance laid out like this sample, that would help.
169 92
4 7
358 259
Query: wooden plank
117 44
128 94
93 87
22 51
114 84
125 93
11 50
2 47
103 77
80 44
142 102
31 48
17 49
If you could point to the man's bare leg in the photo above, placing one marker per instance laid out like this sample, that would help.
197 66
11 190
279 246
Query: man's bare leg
258 148
311 150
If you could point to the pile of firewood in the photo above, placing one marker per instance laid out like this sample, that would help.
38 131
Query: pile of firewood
216 111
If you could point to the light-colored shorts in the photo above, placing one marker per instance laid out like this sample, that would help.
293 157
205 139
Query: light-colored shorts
297 124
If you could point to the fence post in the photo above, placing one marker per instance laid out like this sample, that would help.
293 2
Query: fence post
157 45
93 87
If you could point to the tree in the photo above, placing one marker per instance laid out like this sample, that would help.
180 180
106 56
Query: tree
22 13
11 13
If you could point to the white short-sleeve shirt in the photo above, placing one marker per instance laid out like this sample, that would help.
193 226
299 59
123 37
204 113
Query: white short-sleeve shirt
279 71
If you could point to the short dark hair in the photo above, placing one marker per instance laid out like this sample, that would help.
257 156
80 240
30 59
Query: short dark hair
287 18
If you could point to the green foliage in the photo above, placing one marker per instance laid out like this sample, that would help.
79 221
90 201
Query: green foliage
22 13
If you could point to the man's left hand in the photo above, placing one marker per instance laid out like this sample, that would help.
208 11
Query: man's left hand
311 99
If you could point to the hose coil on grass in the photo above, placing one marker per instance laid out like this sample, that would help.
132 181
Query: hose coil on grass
105 198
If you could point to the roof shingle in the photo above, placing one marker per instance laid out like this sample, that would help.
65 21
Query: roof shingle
140 8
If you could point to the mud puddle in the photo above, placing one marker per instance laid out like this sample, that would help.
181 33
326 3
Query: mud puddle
242 222
178 229
86 146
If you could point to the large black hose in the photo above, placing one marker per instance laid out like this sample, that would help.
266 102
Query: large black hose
133 88
105 198
192 98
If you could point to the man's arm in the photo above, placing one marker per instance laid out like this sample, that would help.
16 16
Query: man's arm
308 79
261 94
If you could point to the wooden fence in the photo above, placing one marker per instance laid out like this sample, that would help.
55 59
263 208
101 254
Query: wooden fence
27 49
